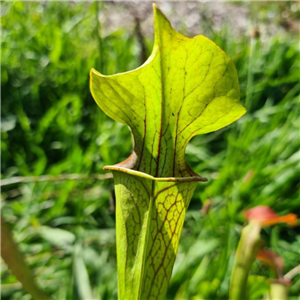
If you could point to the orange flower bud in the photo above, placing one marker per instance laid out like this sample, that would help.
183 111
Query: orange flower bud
266 216
271 259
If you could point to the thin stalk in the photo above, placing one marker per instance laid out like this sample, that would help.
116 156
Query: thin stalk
61 177
292 273
140 38
248 248
99 38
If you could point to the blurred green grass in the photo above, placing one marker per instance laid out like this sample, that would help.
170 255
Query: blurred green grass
51 125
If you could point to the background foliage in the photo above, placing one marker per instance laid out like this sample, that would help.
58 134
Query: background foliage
51 125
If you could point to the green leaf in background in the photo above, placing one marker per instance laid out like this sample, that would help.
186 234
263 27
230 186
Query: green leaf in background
15 260
82 285
57 237
186 87
258 286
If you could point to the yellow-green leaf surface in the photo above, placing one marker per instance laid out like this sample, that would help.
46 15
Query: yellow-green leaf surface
186 87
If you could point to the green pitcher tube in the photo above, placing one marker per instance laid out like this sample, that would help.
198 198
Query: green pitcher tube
149 218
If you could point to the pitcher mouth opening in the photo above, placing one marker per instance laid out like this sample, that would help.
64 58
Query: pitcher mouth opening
150 177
